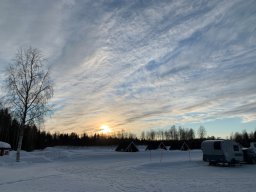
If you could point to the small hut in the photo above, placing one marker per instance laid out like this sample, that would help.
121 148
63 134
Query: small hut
185 147
127 147
155 146
4 148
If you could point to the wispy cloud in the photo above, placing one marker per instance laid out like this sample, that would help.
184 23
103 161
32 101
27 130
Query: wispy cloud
140 64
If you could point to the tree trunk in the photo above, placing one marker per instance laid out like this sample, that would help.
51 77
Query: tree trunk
19 144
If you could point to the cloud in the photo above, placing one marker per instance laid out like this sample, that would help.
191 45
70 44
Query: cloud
139 64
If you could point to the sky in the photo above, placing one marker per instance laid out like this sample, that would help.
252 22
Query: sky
140 65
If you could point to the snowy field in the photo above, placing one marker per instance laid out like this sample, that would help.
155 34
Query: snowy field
102 169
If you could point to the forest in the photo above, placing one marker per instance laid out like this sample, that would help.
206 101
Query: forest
35 138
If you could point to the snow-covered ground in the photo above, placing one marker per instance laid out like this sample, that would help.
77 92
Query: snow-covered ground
102 169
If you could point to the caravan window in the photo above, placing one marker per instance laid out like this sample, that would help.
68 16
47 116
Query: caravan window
217 145
236 148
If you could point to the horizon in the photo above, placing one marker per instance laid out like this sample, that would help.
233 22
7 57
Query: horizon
140 65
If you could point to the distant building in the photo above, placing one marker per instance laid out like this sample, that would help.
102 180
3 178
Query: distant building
127 147
4 148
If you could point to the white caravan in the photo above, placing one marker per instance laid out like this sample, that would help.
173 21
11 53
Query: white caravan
221 151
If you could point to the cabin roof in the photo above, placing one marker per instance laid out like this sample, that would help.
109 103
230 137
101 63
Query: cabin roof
4 145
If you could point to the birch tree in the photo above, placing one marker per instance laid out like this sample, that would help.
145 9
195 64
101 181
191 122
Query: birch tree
28 88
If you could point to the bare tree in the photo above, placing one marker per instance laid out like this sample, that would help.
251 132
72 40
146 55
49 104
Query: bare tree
151 135
29 89
142 137
201 132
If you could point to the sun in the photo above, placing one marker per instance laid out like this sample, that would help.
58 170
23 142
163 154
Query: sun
105 129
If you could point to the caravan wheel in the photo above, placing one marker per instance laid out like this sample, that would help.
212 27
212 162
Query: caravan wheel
214 163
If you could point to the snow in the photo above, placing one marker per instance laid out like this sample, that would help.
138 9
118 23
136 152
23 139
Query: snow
102 169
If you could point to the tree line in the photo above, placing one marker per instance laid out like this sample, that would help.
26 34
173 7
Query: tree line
174 133
34 138
244 138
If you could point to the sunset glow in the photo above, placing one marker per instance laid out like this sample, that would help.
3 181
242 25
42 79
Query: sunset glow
105 129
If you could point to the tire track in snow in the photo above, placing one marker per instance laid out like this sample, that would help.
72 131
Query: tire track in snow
29 179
